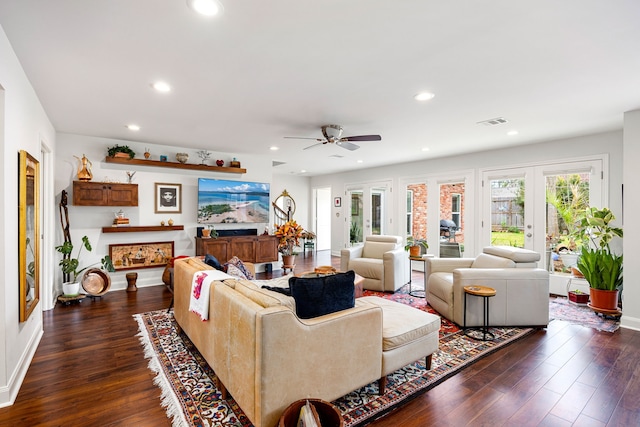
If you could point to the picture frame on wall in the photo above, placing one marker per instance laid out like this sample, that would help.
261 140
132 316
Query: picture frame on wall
129 256
168 198
337 202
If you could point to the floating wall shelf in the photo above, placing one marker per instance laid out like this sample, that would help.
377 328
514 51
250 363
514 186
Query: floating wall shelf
174 165
135 229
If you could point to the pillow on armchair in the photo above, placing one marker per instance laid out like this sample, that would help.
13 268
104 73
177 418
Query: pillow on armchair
317 296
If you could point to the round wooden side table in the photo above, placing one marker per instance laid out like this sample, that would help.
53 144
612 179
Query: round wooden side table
485 292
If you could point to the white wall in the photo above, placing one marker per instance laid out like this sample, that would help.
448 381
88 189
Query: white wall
631 292
89 220
23 125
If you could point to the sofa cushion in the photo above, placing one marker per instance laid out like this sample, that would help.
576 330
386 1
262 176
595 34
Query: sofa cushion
402 324
376 249
368 267
515 254
317 296
213 262
492 261
263 297
239 265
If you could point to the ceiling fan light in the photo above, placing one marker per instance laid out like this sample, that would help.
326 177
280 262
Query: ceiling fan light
206 7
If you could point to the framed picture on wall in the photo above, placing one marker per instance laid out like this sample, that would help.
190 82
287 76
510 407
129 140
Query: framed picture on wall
337 202
168 198
128 256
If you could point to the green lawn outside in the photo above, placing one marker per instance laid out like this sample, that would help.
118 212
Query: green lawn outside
499 238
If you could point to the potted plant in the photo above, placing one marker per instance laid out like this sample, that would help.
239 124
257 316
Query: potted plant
70 266
416 247
121 151
208 232
601 268
289 234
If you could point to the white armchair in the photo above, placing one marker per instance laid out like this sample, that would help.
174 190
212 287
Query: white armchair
380 260
522 290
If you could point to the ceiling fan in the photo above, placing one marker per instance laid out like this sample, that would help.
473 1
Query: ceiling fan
333 135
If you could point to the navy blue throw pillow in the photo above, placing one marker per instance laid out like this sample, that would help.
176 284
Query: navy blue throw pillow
317 296
212 261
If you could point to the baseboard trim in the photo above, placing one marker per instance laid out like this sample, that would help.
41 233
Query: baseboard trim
9 393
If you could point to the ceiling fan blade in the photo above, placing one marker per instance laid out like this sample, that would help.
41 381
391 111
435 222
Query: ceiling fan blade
315 145
302 137
349 146
362 138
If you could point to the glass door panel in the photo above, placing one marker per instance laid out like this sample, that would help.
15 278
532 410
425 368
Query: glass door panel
356 217
507 212
367 214
451 242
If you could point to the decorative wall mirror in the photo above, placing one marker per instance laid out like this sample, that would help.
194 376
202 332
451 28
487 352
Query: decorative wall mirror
29 233
284 207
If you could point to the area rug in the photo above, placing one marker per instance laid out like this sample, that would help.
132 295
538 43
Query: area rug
189 394
562 309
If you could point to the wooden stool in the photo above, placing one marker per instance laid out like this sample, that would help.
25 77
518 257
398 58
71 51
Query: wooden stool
485 292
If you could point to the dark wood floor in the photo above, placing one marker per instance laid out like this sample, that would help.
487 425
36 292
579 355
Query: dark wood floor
89 370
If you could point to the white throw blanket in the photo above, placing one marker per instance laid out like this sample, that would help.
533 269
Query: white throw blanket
201 289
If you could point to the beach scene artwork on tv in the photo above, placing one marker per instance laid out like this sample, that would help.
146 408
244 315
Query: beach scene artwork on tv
233 202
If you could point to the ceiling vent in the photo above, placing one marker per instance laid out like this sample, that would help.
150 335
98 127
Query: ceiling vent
275 163
494 122
336 156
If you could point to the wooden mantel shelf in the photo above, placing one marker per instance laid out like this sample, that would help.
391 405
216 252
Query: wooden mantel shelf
135 229
175 165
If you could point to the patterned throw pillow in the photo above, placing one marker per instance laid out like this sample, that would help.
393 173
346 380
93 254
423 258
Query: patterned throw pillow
238 264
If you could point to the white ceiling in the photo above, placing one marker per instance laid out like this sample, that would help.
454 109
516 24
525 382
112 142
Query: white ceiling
268 69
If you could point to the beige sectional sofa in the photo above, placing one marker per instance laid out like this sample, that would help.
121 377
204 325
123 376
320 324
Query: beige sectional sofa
266 357
522 289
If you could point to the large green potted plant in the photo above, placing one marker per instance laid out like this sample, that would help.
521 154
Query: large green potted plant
601 268
121 151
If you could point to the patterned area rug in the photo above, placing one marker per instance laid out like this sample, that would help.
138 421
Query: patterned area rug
562 309
192 399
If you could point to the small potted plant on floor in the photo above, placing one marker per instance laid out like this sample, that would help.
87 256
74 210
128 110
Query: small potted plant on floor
601 268
70 266
289 234
416 247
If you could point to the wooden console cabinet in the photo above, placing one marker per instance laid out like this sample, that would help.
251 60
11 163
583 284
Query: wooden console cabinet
104 194
248 248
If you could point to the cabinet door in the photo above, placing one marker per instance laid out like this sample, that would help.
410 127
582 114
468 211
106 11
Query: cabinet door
219 248
267 249
244 248
89 193
123 195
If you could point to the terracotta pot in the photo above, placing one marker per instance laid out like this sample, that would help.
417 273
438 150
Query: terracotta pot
604 300
206 233
289 260
414 251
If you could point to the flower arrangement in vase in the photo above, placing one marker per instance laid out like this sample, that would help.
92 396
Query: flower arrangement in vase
289 234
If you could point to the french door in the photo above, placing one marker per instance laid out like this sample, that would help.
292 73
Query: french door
535 207
367 211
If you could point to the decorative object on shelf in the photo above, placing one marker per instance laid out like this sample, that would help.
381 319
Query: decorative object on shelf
209 232
121 151
120 220
220 162
182 157
170 222
163 158
28 229
84 168
601 268
147 153
204 156
140 255
234 163
162 223
130 176
168 198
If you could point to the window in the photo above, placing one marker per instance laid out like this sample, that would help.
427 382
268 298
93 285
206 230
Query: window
409 212
455 208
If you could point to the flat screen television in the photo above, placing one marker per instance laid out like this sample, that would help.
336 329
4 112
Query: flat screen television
232 202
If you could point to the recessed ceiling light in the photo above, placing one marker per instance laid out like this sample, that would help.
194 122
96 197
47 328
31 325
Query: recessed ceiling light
425 148
423 96
274 148
206 7
133 127
303 171
512 132
161 86
360 161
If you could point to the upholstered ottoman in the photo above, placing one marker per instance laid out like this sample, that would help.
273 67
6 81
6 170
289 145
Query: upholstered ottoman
408 334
